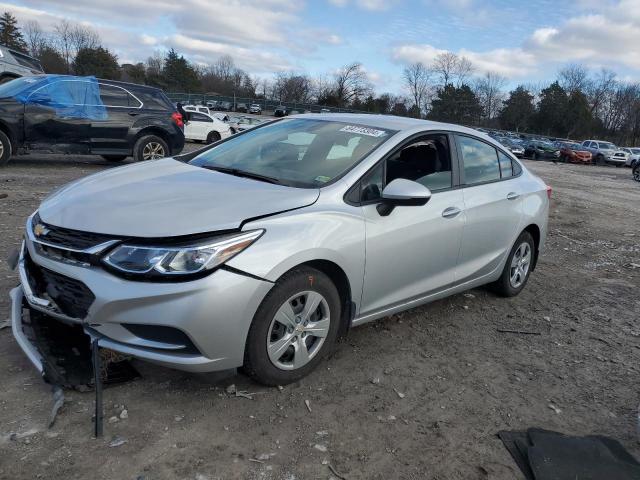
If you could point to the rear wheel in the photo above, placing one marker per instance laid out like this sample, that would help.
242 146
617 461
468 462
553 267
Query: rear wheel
294 327
518 267
114 158
150 147
5 149
636 172
213 137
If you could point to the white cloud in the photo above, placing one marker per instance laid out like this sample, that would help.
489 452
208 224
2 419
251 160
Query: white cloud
609 37
371 5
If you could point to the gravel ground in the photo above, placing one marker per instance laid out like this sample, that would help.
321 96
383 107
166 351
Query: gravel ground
414 396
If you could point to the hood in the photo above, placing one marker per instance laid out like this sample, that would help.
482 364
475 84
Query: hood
166 198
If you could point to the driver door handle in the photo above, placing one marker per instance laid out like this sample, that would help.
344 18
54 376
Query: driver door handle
513 196
451 212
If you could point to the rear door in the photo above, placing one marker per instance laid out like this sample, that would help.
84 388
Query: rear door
414 250
110 134
198 126
492 204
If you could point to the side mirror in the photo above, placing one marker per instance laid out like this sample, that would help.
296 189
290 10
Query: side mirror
402 192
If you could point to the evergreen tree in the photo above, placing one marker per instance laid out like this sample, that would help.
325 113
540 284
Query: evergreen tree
97 61
10 34
518 111
51 60
179 75
551 118
456 105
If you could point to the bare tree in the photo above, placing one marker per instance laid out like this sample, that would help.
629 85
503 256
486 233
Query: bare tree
445 66
416 79
35 37
574 77
463 70
600 89
70 38
291 87
488 89
351 83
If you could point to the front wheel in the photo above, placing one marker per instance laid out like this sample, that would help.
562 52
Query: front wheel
636 172
5 149
213 137
518 267
150 147
294 328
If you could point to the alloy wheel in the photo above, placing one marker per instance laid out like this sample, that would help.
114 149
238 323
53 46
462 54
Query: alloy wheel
520 265
298 330
153 151
636 173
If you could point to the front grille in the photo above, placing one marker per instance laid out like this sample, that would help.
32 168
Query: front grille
68 238
72 297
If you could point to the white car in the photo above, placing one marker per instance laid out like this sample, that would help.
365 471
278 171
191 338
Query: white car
634 156
207 128
198 108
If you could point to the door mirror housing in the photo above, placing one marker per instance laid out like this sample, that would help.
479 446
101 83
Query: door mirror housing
402 192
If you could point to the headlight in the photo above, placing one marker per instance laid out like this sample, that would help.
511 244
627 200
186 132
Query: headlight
179 260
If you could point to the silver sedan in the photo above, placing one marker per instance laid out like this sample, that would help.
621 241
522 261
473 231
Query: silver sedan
260 250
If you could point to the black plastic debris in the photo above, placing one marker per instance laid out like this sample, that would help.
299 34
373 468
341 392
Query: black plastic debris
546 455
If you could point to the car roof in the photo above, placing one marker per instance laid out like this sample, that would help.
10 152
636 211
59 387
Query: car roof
390 122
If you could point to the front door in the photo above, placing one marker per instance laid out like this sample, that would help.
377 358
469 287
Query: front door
55 117
414 250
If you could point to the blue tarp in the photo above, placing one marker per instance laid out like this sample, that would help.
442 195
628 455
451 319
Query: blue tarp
70 96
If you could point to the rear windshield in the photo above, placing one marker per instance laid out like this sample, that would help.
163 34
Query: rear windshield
298 152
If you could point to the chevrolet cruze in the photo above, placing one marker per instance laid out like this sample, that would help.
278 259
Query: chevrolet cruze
260 250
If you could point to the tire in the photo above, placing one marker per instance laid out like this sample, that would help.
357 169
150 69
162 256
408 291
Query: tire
150 147
213 137
636 173
505 285
5 149
279 367
114 158
599 160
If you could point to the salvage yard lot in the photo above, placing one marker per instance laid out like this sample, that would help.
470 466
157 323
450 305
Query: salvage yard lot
417 395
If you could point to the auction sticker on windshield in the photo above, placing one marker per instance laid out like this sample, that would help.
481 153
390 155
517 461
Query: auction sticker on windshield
371 132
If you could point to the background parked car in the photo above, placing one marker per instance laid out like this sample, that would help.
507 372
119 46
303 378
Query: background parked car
603 152
255 108
242 108
514 147
539 149
223 106
14 64
574 153
198 108
634 156
280 111
205 128
82 115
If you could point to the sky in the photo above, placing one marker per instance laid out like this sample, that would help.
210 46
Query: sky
526 41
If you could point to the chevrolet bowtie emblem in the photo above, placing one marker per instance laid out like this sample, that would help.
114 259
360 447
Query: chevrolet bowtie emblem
40 230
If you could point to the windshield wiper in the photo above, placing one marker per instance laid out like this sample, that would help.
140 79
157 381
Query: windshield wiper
242 173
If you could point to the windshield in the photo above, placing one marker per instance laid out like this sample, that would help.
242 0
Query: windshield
607 146
573 146
297 152
14 87
635 150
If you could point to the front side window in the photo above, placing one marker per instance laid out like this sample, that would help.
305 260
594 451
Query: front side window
480 161
297 152
426 160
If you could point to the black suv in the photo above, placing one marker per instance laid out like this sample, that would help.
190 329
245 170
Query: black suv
82 115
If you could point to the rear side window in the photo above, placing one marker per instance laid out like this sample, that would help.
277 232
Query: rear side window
199 117
506 165
116 97
480 161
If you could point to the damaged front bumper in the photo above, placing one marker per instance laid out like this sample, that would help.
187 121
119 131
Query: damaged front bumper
207 319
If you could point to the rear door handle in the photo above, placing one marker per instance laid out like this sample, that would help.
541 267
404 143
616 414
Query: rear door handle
451 212
513 196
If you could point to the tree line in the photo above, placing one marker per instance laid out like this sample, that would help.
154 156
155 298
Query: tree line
578 103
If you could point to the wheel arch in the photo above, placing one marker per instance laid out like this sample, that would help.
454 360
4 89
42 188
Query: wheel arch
341 281
534 231
9 133
153 130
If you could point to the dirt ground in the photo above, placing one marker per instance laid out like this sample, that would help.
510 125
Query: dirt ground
460 380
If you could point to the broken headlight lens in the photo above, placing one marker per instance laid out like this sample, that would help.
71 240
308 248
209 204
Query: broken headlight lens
179 260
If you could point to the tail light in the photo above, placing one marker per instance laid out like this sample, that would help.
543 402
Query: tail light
549 192
177 119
